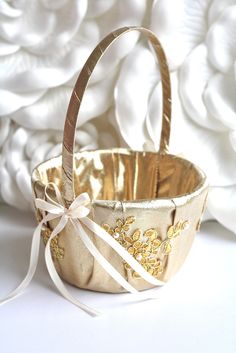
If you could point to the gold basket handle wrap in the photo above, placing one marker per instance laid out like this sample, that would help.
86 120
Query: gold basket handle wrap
77 96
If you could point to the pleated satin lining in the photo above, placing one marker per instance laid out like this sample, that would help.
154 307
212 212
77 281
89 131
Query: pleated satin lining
121 174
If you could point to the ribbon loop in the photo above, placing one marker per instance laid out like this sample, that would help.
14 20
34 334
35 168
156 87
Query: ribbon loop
77 214
48 207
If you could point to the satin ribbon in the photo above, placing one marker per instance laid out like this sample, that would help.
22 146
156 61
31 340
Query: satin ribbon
77 214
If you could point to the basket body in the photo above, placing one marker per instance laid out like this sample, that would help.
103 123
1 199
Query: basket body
151 203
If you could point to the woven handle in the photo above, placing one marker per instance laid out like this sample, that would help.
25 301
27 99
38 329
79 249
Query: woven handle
78 92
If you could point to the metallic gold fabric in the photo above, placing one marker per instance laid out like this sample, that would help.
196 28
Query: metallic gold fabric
121 174
77 97
158 190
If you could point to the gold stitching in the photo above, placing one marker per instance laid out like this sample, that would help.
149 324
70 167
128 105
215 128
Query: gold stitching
57 251
147 246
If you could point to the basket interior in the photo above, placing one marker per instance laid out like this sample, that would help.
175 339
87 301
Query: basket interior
120 174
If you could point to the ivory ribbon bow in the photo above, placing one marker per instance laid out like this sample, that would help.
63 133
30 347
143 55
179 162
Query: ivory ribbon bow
77 214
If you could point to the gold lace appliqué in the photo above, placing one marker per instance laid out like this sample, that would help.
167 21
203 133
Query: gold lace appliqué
57 251
146 247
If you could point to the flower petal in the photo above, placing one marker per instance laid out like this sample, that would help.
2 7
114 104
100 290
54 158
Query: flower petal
180 25
222 205
211 150
221 40
49 112
41 30
10 192
17 100
99 7
137 78
194 76
232 138
4 129
219 97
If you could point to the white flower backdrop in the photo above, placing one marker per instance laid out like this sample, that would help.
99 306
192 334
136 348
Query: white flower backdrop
43 45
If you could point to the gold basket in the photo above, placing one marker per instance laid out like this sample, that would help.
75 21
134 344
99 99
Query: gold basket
151 203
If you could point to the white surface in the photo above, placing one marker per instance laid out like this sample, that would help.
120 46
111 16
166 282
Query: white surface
196 311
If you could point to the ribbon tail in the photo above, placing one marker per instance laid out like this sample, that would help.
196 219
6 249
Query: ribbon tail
34 254
56 278
106 264
101 233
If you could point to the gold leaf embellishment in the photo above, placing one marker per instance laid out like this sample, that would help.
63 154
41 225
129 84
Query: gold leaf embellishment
146 247
175 230
57 251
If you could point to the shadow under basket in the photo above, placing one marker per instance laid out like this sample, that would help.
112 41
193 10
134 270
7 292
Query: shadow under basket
151 203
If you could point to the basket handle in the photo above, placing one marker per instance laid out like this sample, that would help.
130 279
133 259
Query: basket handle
78 92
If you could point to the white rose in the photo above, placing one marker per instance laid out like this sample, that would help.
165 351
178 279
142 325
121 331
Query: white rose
43 45
23 150
199 39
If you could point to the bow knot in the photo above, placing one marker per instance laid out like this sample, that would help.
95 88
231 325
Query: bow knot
77 213
78 207
76 210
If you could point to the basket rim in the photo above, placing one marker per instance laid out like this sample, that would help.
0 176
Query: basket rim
202 185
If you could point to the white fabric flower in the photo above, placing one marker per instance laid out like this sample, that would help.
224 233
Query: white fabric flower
51 41
207 87
23 150
199 38
43 45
